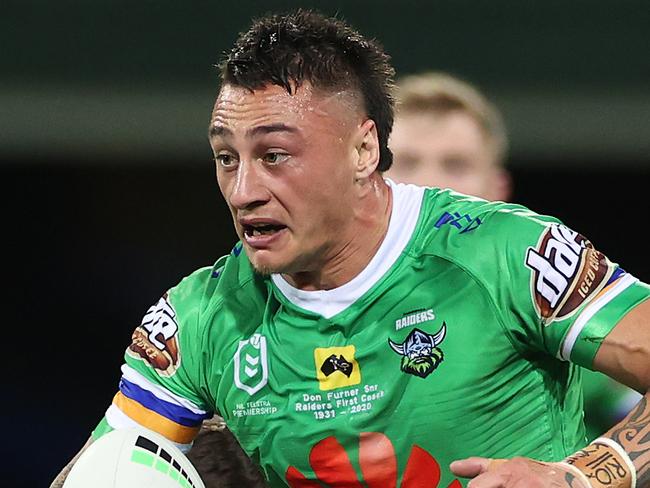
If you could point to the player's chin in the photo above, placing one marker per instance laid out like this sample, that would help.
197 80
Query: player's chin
266 262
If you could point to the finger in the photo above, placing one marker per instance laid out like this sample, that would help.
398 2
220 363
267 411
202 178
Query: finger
470 467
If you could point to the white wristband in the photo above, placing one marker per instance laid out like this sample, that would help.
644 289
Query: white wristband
603 464
621 452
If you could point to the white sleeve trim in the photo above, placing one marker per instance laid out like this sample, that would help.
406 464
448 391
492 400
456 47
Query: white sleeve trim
118 420
586 315
133 376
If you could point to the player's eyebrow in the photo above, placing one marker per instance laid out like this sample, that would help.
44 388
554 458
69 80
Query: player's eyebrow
221 131
267 129
218 130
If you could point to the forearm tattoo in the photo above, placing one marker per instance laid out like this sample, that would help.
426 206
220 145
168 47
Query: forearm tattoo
633 434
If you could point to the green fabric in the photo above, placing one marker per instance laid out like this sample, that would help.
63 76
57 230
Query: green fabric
603 321
101 429
301 391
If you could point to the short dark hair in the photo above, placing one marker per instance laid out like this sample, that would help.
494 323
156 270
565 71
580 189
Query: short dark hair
305 45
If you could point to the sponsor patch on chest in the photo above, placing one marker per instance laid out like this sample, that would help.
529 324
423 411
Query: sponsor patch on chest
336 367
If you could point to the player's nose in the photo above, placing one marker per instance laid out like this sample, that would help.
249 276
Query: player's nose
249 189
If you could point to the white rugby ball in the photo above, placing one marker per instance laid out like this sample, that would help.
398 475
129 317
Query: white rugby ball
133 458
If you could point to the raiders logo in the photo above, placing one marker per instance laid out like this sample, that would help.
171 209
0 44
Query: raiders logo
567 272
154 341
420 352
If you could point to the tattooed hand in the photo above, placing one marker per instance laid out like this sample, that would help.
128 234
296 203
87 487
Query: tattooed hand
516 473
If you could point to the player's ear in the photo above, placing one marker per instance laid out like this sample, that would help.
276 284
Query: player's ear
367 149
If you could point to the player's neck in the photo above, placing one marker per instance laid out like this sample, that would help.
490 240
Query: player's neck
356 245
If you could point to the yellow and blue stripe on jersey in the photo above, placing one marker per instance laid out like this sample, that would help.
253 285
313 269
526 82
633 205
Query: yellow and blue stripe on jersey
141 402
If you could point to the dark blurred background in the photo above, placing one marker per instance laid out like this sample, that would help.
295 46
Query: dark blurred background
108 192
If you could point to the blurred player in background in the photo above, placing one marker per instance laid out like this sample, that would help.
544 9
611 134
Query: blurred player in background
447 134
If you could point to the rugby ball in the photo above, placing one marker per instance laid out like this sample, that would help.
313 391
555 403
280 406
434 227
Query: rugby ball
133 458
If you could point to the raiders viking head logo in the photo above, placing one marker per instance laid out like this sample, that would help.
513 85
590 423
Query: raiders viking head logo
420 352
155 341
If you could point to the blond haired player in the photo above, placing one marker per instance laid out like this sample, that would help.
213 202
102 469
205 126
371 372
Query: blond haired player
448 135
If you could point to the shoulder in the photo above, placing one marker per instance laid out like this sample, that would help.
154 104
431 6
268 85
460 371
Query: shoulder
456 226
210 287
491 243
204 309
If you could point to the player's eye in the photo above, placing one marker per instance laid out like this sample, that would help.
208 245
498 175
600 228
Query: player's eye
226 160
274 157
457 165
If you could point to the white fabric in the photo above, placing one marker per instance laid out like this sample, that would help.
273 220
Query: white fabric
118 420
621 452
133 376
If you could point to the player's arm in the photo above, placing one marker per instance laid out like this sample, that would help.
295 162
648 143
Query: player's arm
61 477
159 388
618 459
625 356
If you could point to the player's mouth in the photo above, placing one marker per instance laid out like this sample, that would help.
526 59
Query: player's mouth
261 234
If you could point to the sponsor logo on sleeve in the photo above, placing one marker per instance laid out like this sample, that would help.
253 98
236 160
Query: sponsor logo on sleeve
155 340
567 272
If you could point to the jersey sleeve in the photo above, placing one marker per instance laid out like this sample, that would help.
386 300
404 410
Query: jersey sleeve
553 289
163 385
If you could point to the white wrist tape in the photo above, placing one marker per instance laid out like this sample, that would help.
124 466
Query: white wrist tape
602 464
622 453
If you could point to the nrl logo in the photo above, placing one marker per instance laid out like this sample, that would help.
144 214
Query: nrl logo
420 352
251 366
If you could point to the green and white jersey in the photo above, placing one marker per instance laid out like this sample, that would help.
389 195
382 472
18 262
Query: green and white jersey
461 337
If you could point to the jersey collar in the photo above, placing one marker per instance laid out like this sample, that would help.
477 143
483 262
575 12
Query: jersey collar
407 201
